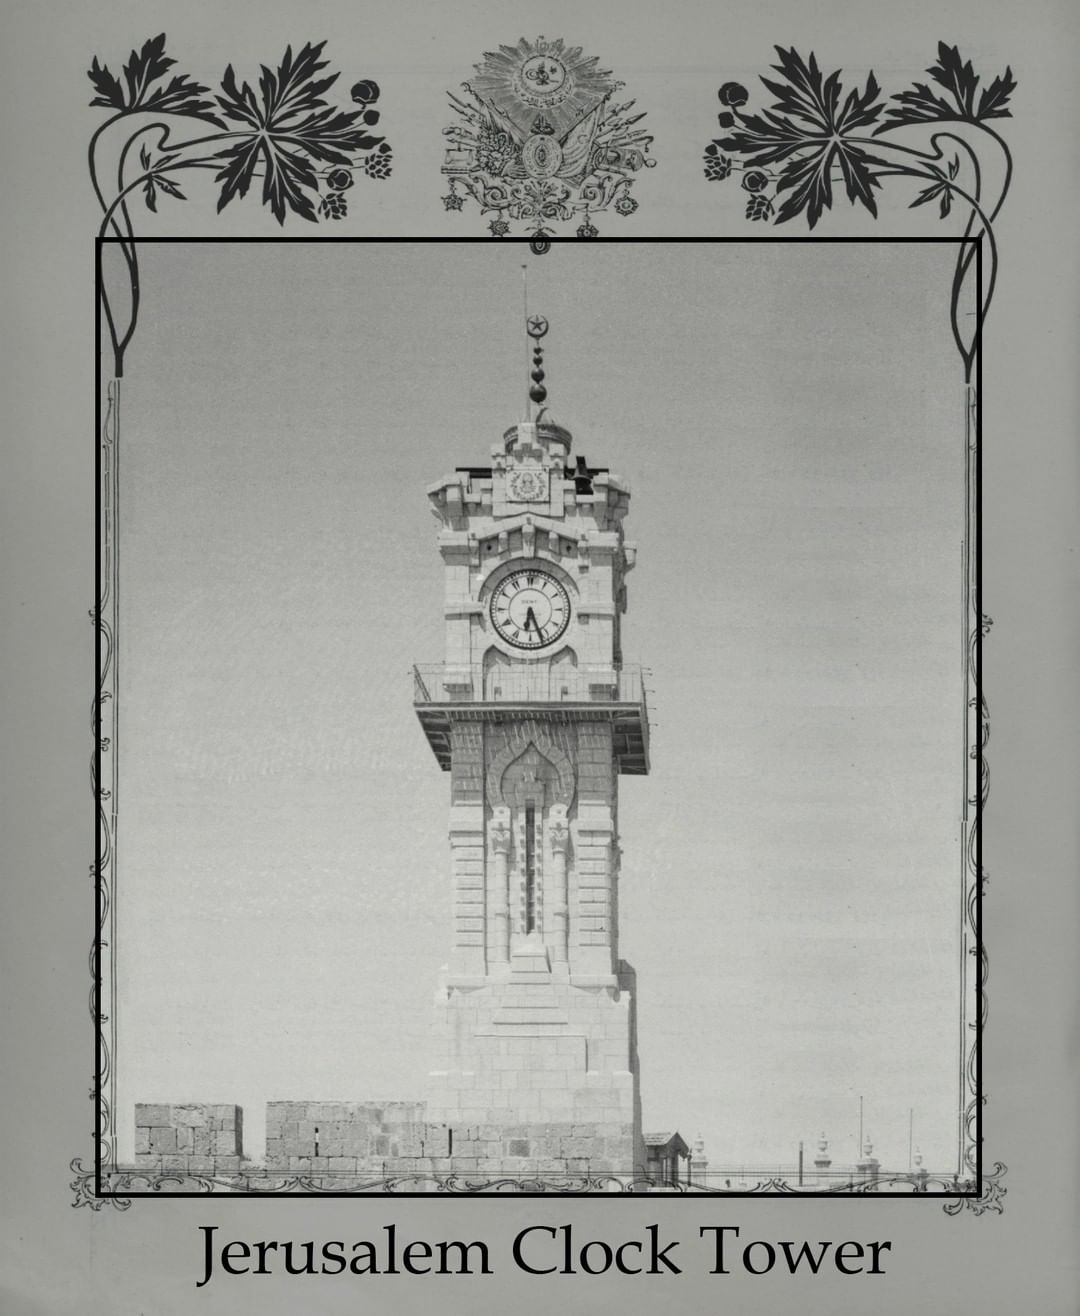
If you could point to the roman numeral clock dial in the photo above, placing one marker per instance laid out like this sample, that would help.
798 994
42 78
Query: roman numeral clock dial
530 609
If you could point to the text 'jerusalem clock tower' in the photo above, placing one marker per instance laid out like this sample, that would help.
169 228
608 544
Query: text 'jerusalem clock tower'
534 715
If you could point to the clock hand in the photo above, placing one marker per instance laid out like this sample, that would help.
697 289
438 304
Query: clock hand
530 620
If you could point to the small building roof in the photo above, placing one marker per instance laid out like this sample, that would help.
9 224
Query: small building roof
667 1141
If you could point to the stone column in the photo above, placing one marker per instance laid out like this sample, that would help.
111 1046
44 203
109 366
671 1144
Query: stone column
559 838
593 836
467 957
500 847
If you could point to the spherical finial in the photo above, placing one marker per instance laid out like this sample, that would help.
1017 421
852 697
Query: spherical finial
823 1143
536 327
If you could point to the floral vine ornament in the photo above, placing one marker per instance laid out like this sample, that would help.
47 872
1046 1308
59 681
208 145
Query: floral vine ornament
814 137
84 1188
538 142
162 126
306 151
989 1200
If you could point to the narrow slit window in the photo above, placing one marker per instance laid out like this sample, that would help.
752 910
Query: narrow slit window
530 868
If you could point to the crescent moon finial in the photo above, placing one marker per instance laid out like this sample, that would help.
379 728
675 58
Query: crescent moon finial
536 327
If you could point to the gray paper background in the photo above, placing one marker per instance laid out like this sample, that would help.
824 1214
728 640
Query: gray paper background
55 1259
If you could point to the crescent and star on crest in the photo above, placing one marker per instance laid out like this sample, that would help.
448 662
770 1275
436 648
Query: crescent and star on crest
548 100
538 139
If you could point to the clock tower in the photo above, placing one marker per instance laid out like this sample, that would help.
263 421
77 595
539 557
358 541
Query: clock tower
534 715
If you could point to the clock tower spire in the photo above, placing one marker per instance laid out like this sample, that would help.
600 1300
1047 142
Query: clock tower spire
534 716
536 327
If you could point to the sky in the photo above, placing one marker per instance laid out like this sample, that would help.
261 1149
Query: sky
789 419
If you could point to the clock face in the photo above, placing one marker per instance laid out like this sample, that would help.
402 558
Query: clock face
530 609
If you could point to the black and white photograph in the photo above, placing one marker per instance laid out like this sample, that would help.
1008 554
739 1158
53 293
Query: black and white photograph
694 861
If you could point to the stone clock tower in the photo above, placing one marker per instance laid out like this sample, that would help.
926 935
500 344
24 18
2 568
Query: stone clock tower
534 716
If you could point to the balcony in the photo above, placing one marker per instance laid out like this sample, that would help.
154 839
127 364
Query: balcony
443 694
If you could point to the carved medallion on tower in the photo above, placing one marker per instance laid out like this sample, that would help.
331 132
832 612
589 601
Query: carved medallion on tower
529 484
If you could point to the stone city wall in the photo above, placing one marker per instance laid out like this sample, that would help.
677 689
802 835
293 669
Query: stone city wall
371 1139
313 1137
196 1137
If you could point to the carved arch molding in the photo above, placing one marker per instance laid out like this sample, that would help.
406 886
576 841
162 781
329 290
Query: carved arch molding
517 740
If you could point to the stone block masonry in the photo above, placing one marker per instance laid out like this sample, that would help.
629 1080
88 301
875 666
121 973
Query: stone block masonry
195 1137
319 1137
396 1138
337 1142
467 779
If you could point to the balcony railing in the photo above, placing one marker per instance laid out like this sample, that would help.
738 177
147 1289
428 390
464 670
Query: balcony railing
443 693
441 683
840 1180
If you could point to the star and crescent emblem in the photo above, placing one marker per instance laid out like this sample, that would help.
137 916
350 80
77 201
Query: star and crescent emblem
537 326
539 138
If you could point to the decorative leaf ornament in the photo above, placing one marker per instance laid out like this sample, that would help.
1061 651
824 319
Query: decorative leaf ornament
791 158
816 136
808 133
960 81
305 150
145 67
287 130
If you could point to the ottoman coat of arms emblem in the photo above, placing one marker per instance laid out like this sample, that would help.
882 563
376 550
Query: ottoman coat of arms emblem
540 143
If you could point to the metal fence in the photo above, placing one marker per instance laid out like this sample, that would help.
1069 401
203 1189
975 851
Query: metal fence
439 683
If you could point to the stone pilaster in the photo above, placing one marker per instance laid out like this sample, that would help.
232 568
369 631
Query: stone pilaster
559 840
467 958
593 836
499 835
